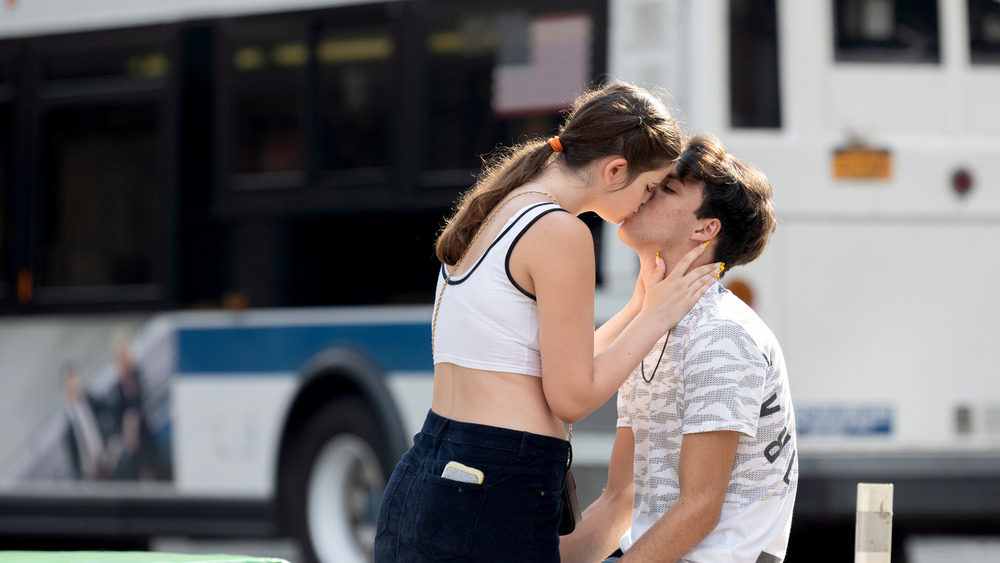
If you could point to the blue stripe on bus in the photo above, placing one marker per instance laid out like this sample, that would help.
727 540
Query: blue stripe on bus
844 420
398 347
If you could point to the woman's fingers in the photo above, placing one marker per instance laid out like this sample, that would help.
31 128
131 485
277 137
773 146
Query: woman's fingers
708 273
703 283
711 271
696 278
689 257
656 276
659 271
672 297
696 282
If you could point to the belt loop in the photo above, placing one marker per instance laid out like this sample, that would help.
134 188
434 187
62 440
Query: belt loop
444 434
522 453
446 428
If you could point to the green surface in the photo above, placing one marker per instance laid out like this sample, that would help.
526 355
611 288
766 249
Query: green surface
125 557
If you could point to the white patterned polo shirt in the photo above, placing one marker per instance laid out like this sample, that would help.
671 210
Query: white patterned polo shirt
721 369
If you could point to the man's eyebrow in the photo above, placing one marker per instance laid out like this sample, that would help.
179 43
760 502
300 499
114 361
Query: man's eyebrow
671 176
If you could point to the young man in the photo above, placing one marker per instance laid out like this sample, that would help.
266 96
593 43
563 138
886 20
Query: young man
704 465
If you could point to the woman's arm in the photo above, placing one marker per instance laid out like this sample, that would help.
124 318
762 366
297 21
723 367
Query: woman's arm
557 256
609 331
605 521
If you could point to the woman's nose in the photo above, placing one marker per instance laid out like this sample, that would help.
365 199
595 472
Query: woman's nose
647 195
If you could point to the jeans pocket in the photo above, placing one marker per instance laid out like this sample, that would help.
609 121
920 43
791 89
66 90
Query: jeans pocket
447 515
545 535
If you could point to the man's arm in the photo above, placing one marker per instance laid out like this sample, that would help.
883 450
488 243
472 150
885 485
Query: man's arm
606 520
706 464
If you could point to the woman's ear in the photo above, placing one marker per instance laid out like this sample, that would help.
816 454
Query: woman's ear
613 169
708 230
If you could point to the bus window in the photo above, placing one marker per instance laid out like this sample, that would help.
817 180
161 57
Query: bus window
137 54
984 31
357 97
498 78
6 268
269 63
754 95
101 167
887 31
5 147
4 70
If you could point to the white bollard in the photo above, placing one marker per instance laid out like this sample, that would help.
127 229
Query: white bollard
873 532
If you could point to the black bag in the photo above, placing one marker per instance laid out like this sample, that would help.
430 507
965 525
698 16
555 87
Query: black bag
571 508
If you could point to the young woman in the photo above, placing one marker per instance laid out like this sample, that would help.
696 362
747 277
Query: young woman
515 352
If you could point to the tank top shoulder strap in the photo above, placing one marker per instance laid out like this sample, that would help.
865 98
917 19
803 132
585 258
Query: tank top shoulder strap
525 220
530 213
508 236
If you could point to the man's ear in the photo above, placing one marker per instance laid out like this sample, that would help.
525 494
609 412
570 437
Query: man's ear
708 230
613 169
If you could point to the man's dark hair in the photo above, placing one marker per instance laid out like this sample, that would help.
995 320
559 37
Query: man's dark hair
735 193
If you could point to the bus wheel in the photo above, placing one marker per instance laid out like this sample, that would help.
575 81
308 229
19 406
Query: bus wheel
334 482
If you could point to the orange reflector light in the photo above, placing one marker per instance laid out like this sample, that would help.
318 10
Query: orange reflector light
862 164
24 286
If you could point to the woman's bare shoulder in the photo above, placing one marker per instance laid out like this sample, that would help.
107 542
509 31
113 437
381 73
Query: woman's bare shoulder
560 228
558 242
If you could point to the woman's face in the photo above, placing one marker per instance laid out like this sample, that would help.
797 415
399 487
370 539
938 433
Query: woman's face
619 203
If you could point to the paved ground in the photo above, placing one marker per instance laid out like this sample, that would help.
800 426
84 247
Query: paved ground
282 549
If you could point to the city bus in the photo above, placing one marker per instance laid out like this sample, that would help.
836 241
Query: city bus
247 195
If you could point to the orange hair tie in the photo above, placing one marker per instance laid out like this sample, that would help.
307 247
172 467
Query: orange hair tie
555 144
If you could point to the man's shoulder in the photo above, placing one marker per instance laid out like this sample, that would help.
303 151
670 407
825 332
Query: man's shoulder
720 317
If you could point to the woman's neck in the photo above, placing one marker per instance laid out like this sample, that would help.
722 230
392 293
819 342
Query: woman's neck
567 189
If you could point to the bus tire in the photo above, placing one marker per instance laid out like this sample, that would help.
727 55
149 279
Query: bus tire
333 480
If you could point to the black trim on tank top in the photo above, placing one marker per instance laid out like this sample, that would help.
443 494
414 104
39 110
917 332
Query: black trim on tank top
506 262
502 234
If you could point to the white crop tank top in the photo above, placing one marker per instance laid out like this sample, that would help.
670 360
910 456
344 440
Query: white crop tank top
485 320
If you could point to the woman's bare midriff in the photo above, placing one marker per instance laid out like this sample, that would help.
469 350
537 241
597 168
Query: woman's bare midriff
494 398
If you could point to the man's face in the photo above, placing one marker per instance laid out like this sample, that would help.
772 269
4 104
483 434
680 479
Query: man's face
667 220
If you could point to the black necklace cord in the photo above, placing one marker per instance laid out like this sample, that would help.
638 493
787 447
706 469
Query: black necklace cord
642 366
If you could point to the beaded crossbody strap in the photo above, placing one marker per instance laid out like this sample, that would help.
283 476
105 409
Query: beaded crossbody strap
569 456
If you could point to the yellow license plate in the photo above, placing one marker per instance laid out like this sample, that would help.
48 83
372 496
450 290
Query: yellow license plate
862 164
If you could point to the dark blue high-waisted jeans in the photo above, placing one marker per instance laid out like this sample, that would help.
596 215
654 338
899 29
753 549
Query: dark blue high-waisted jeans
512 516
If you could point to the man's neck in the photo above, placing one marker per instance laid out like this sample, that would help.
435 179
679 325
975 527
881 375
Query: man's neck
647 258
